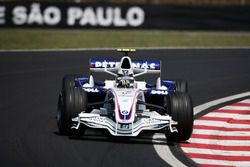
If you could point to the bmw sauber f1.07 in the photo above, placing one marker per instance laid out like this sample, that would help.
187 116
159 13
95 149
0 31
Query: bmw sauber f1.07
125 106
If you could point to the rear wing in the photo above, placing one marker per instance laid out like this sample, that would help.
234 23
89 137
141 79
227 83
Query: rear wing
99 65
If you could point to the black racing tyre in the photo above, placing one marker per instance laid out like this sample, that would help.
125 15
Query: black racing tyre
165 105
181 85
72 101
69 80
181 109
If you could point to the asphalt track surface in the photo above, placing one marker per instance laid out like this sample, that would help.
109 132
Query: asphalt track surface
29 87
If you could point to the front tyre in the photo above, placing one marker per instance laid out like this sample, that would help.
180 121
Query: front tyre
71 102
69 80
181 85
181 109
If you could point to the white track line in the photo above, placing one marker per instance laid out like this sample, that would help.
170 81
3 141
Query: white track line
220 124
215 152
245 101
244 108
222 162
205 106
221 133
228 116
165 153
220 142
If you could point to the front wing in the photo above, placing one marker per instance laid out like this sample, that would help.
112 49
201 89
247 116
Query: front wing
156 122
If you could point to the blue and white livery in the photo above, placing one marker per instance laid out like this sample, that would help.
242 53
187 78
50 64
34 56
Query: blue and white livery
125 106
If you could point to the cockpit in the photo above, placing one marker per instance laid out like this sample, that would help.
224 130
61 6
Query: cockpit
125 81
125 78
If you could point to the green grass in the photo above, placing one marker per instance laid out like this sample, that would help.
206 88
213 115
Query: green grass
53 39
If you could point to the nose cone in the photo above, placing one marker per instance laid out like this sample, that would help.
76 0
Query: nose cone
126 103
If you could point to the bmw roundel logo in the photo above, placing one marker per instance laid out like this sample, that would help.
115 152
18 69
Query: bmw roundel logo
124 112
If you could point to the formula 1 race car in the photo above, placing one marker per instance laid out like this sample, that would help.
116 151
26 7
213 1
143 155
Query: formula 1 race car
125 106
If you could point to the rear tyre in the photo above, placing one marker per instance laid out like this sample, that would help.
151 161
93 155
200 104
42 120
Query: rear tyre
181 109
71 102
181 85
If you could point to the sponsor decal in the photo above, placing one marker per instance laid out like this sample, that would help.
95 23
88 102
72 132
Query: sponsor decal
150 121
124 112
125 126
159 92
2 14
103 64
33 14
105 16
46 14
150 65
96 119
70 15
94 90
125 72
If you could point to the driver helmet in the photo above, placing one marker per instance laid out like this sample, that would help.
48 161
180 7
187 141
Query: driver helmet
125 82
